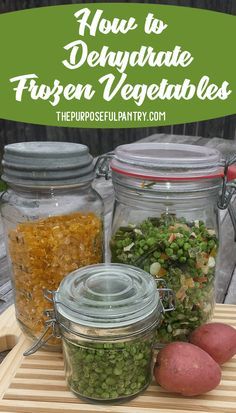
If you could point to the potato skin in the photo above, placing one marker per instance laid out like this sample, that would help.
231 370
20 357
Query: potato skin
217 339
186 369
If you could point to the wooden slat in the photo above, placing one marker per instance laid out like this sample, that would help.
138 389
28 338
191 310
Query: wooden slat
36 384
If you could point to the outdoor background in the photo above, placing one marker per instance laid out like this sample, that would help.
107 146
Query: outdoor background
104 140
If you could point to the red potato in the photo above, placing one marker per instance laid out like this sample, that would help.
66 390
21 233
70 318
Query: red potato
186 369
217 339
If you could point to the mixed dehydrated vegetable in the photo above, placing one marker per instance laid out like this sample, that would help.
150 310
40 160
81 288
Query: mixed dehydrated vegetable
181 252
43 252
108 371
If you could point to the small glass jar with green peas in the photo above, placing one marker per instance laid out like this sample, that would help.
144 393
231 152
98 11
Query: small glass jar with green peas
107 316
165 221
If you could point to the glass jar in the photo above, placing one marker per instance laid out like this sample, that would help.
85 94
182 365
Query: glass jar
53 222
165 221
107 315
2 245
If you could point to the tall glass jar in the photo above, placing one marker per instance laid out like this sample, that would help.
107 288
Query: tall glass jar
53 222
108 315
165 221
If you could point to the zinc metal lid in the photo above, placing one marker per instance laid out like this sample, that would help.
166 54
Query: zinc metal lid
167 161
47 163
107 296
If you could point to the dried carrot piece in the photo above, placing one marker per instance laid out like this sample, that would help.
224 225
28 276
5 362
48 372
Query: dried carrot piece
43 252
162 272
164 256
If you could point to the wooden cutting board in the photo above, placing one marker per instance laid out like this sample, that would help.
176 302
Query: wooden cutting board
36 384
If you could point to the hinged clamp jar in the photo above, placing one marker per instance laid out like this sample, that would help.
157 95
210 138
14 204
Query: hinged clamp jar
108 315
165 221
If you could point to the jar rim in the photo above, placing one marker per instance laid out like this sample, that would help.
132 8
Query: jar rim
151 177
167 161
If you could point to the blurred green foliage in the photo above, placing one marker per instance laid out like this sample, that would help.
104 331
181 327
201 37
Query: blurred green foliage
3 186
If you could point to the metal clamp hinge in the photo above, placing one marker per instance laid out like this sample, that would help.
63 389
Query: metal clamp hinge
227 192
102 166
52 329
167 295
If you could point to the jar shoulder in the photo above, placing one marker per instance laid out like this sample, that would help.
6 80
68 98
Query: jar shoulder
53 202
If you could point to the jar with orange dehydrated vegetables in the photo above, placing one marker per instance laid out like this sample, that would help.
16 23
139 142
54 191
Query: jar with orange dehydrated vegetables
53 221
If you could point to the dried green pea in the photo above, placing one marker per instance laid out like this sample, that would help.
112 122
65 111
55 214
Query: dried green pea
102 379
180 264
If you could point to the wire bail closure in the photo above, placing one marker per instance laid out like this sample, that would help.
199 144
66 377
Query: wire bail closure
228 190
102 166
170 295
228 187
52 329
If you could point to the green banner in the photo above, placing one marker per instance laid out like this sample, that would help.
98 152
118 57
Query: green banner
115 65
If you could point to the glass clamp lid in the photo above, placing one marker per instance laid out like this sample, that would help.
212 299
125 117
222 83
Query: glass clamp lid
107 296
167 161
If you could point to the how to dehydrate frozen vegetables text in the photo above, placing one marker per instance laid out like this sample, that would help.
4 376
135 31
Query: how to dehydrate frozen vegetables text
116 83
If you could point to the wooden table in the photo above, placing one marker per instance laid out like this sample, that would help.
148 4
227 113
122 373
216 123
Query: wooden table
36 384
226 274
